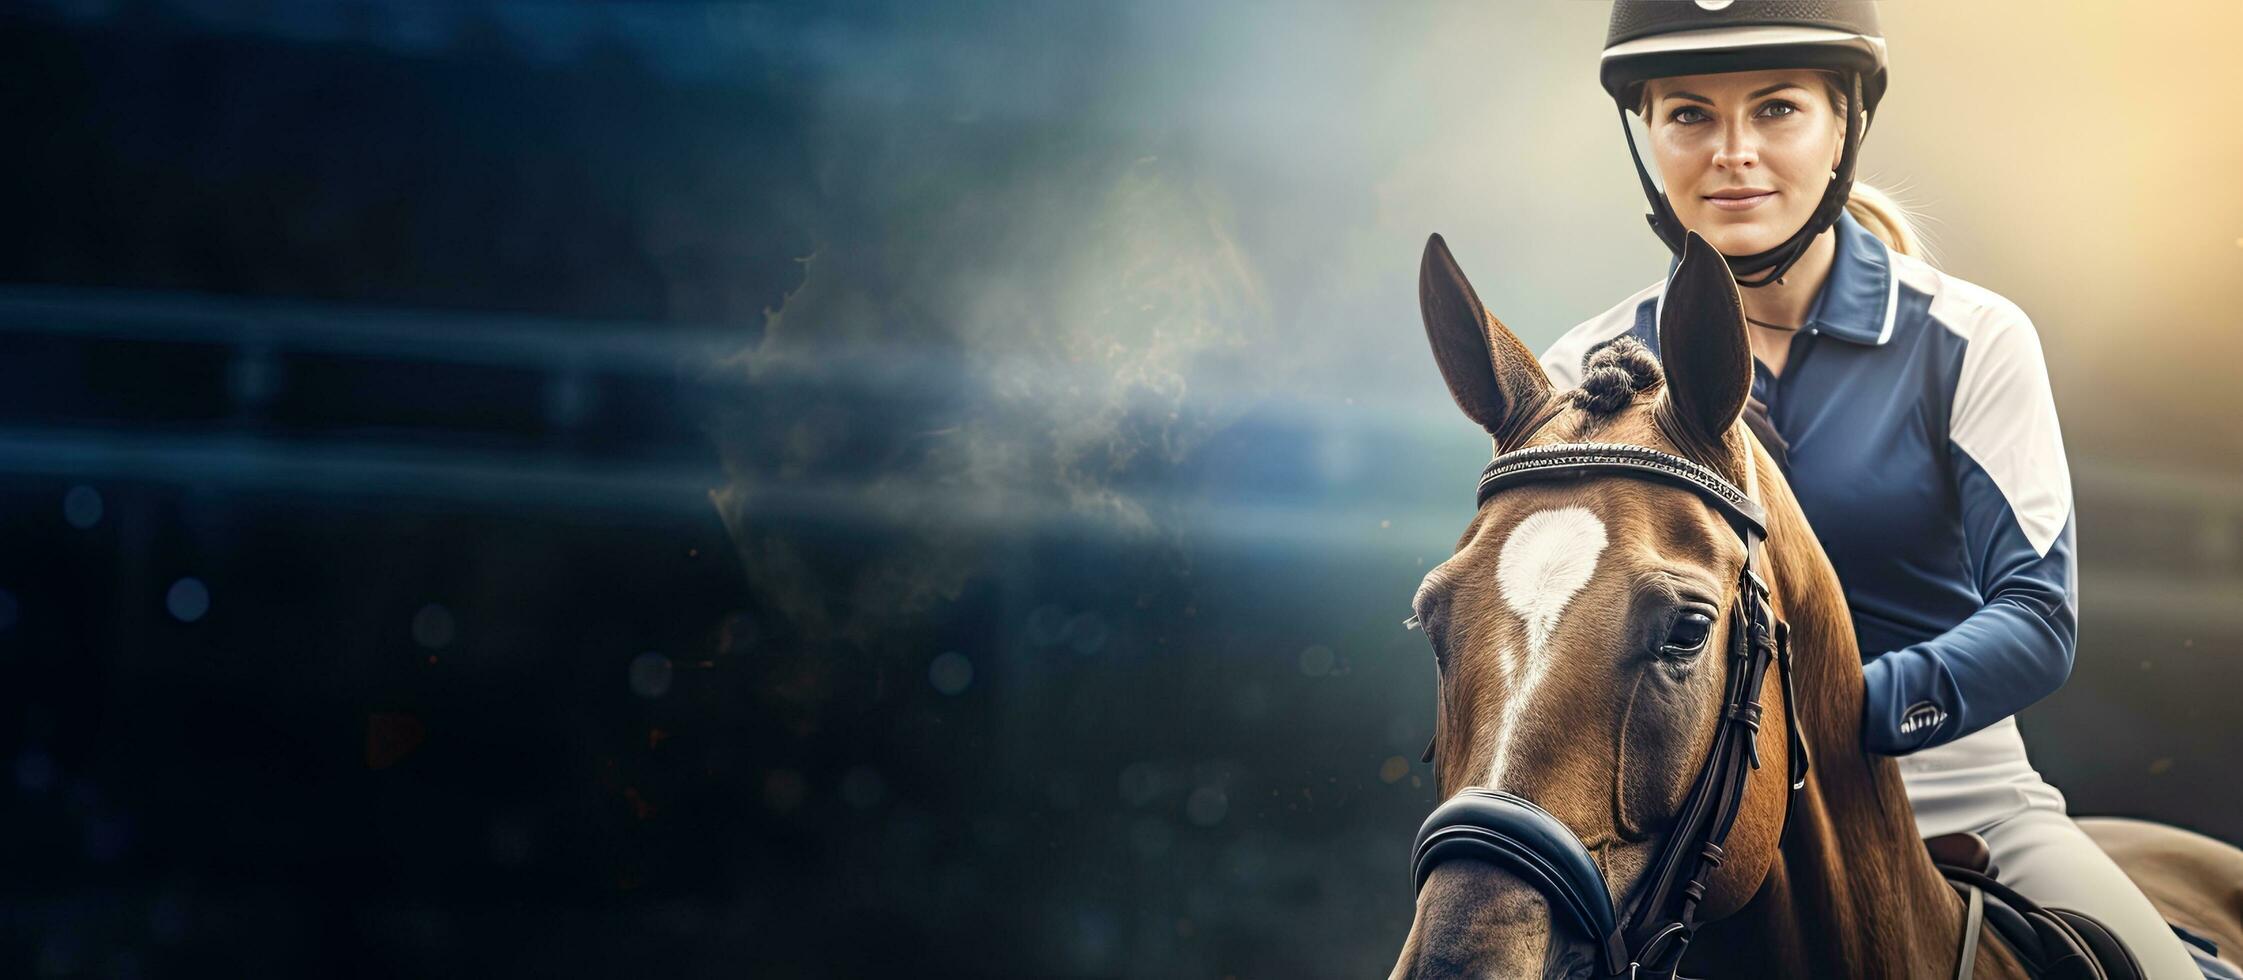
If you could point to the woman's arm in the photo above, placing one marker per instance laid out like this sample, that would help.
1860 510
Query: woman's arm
2014 491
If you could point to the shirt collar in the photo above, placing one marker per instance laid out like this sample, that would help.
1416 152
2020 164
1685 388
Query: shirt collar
1860 298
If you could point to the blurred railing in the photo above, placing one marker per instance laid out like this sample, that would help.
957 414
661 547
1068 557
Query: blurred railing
492 409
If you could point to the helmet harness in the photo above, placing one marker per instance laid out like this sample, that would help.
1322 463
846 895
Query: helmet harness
1776 261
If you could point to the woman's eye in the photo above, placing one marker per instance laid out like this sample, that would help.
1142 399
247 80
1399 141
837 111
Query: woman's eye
1686 115
1770 109
1688 634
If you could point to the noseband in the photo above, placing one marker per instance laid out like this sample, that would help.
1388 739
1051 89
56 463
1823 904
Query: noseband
1522 838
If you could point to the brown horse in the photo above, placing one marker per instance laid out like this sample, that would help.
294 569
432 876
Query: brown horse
1565 627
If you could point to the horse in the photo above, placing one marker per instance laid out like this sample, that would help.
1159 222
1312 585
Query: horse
1610 715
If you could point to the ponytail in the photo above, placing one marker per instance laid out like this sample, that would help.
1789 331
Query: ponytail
1886 219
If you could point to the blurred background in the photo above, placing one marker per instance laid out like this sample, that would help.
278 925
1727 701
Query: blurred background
790 490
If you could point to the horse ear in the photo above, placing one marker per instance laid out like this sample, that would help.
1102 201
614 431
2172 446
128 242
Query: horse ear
1703 348
1494 378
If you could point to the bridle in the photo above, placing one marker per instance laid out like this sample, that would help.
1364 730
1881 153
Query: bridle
1515 834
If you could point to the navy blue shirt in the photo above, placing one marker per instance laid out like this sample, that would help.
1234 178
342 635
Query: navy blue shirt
1924 448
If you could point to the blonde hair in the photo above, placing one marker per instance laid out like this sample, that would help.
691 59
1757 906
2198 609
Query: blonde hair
1886 219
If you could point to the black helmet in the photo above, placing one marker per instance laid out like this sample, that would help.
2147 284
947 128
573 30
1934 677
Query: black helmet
1660 38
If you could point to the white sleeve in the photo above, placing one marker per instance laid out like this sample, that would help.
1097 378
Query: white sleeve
1562 362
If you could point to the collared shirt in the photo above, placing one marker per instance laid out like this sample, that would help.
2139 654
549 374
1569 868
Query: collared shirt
1925 452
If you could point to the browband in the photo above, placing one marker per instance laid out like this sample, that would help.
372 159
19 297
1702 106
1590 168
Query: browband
1571 460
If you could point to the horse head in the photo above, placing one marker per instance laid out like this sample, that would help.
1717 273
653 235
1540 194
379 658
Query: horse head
1581 627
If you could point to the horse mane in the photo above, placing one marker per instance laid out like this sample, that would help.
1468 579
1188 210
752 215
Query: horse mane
1808 596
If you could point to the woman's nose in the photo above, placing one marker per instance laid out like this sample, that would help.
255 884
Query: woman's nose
1737 148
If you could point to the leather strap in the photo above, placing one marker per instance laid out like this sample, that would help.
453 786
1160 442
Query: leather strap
1567 461
1974 920
1511 832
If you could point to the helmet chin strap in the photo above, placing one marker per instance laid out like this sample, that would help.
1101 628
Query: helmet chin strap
1773 263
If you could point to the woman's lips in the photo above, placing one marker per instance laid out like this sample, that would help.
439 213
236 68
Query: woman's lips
1741 203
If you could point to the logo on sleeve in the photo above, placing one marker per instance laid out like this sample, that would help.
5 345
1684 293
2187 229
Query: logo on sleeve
1921 716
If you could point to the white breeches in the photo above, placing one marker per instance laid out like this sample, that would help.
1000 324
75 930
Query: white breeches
1983 783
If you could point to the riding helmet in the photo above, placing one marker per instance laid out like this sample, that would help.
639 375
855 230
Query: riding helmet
1650 39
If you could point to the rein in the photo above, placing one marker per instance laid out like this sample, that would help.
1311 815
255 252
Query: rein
1515 834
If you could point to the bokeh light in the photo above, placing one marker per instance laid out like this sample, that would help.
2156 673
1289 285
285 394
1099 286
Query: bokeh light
1207 806
651 674
81 507
432 627
188 600
951 673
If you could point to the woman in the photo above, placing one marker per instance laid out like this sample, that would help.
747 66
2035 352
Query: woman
1911 410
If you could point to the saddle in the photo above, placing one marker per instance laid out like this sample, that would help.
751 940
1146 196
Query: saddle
2054 943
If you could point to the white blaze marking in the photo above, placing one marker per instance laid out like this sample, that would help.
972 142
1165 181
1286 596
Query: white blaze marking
1546 560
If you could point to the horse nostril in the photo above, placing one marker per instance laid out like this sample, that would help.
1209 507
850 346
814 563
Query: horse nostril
1476 920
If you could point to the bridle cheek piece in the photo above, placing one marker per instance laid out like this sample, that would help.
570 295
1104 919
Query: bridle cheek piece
1524 839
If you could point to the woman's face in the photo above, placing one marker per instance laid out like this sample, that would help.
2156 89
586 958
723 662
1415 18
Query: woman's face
1745 156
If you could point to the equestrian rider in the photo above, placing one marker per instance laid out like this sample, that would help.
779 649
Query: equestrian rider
1910 408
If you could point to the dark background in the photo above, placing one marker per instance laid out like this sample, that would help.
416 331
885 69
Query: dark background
680 490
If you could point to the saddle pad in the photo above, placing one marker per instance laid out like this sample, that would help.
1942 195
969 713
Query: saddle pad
2207 956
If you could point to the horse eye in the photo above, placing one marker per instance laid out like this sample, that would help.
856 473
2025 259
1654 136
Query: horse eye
1688 635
